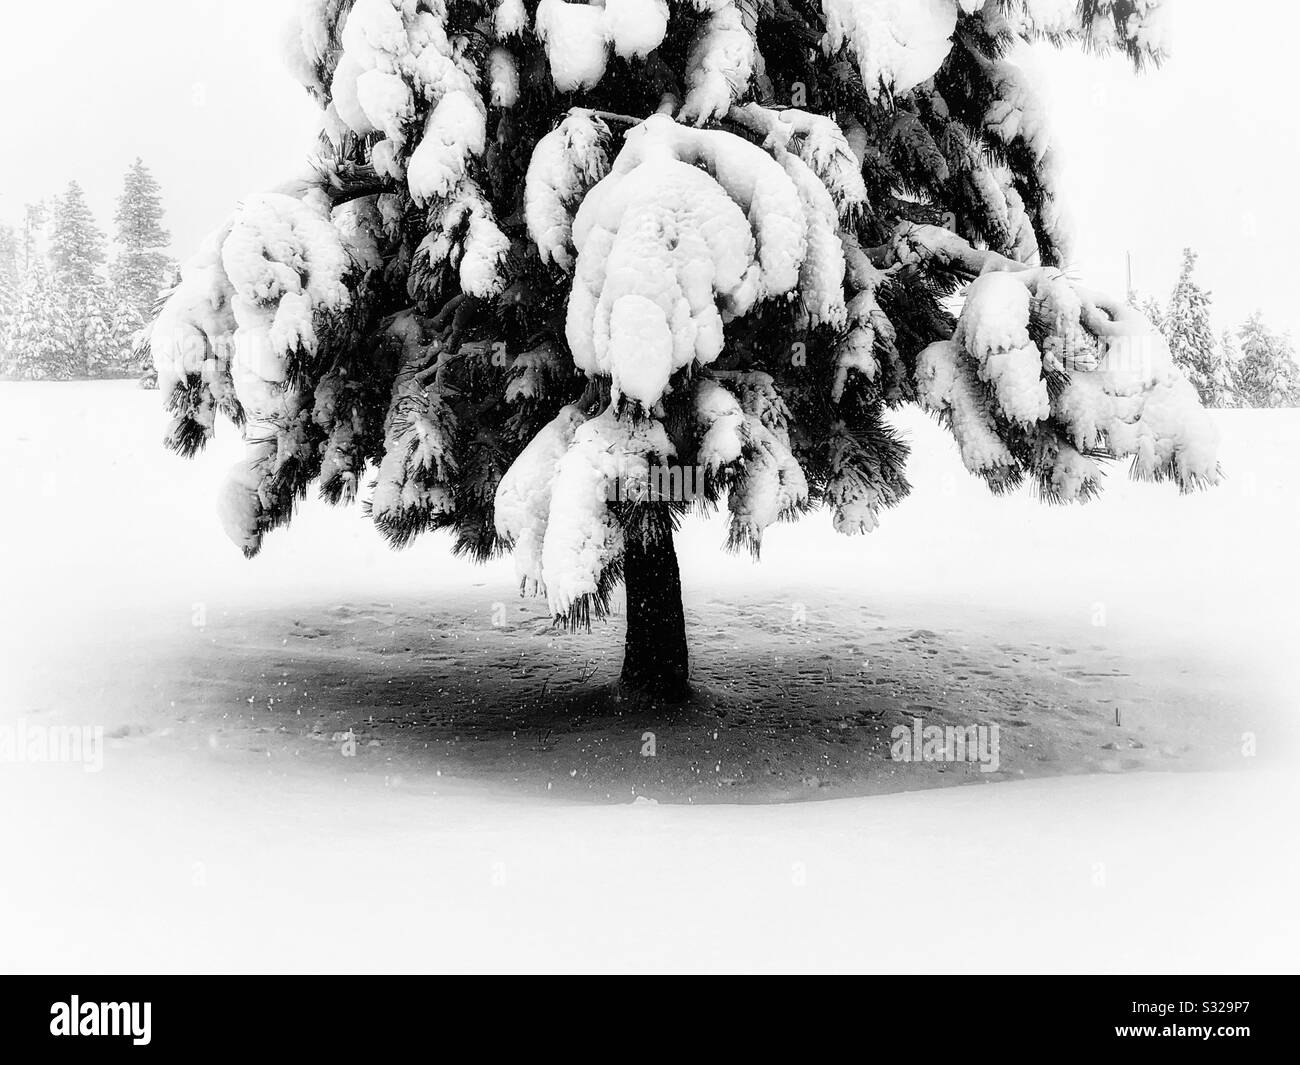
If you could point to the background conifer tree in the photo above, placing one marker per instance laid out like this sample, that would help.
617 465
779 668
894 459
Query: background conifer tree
37 346
1187 326
1268 374
141 266
76 257
10 292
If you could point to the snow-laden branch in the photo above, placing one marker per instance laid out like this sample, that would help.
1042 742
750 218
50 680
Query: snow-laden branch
914 244
898 44
250 316
564 165
817 140
1120 394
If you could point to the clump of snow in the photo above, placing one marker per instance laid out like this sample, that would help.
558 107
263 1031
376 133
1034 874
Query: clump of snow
483 253
345 99
721 421
821 276
719 65
635 28
454 132
818 141
239 504
509 18
1139 403
302 45
640 349
1016 113
583 537
662 230
463 233
193 335
697 222
574 36
564 165
1022 241
946 383
579 36
673 239
771 485
387 101
503 77
523 497
1152 28
898 43
994 330
1052 17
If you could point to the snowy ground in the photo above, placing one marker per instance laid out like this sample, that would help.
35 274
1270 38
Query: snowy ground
486 819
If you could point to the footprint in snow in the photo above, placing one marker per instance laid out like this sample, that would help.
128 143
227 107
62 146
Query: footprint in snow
310 634
123 732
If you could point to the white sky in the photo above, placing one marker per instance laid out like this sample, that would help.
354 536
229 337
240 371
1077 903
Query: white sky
1203 152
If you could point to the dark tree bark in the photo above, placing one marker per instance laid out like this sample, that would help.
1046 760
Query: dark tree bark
654 658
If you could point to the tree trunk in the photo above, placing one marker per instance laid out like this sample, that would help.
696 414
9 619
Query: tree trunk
654 657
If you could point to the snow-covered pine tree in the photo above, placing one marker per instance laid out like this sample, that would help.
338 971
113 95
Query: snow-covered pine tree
76 241
35 216
125 324
10 293
1230 361
76 256
141 266
102 355
1150 307
69 327
1267 372
551 249
37 349
1187 328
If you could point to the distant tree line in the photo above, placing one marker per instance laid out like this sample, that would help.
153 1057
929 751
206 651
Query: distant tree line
1252 366
71 306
